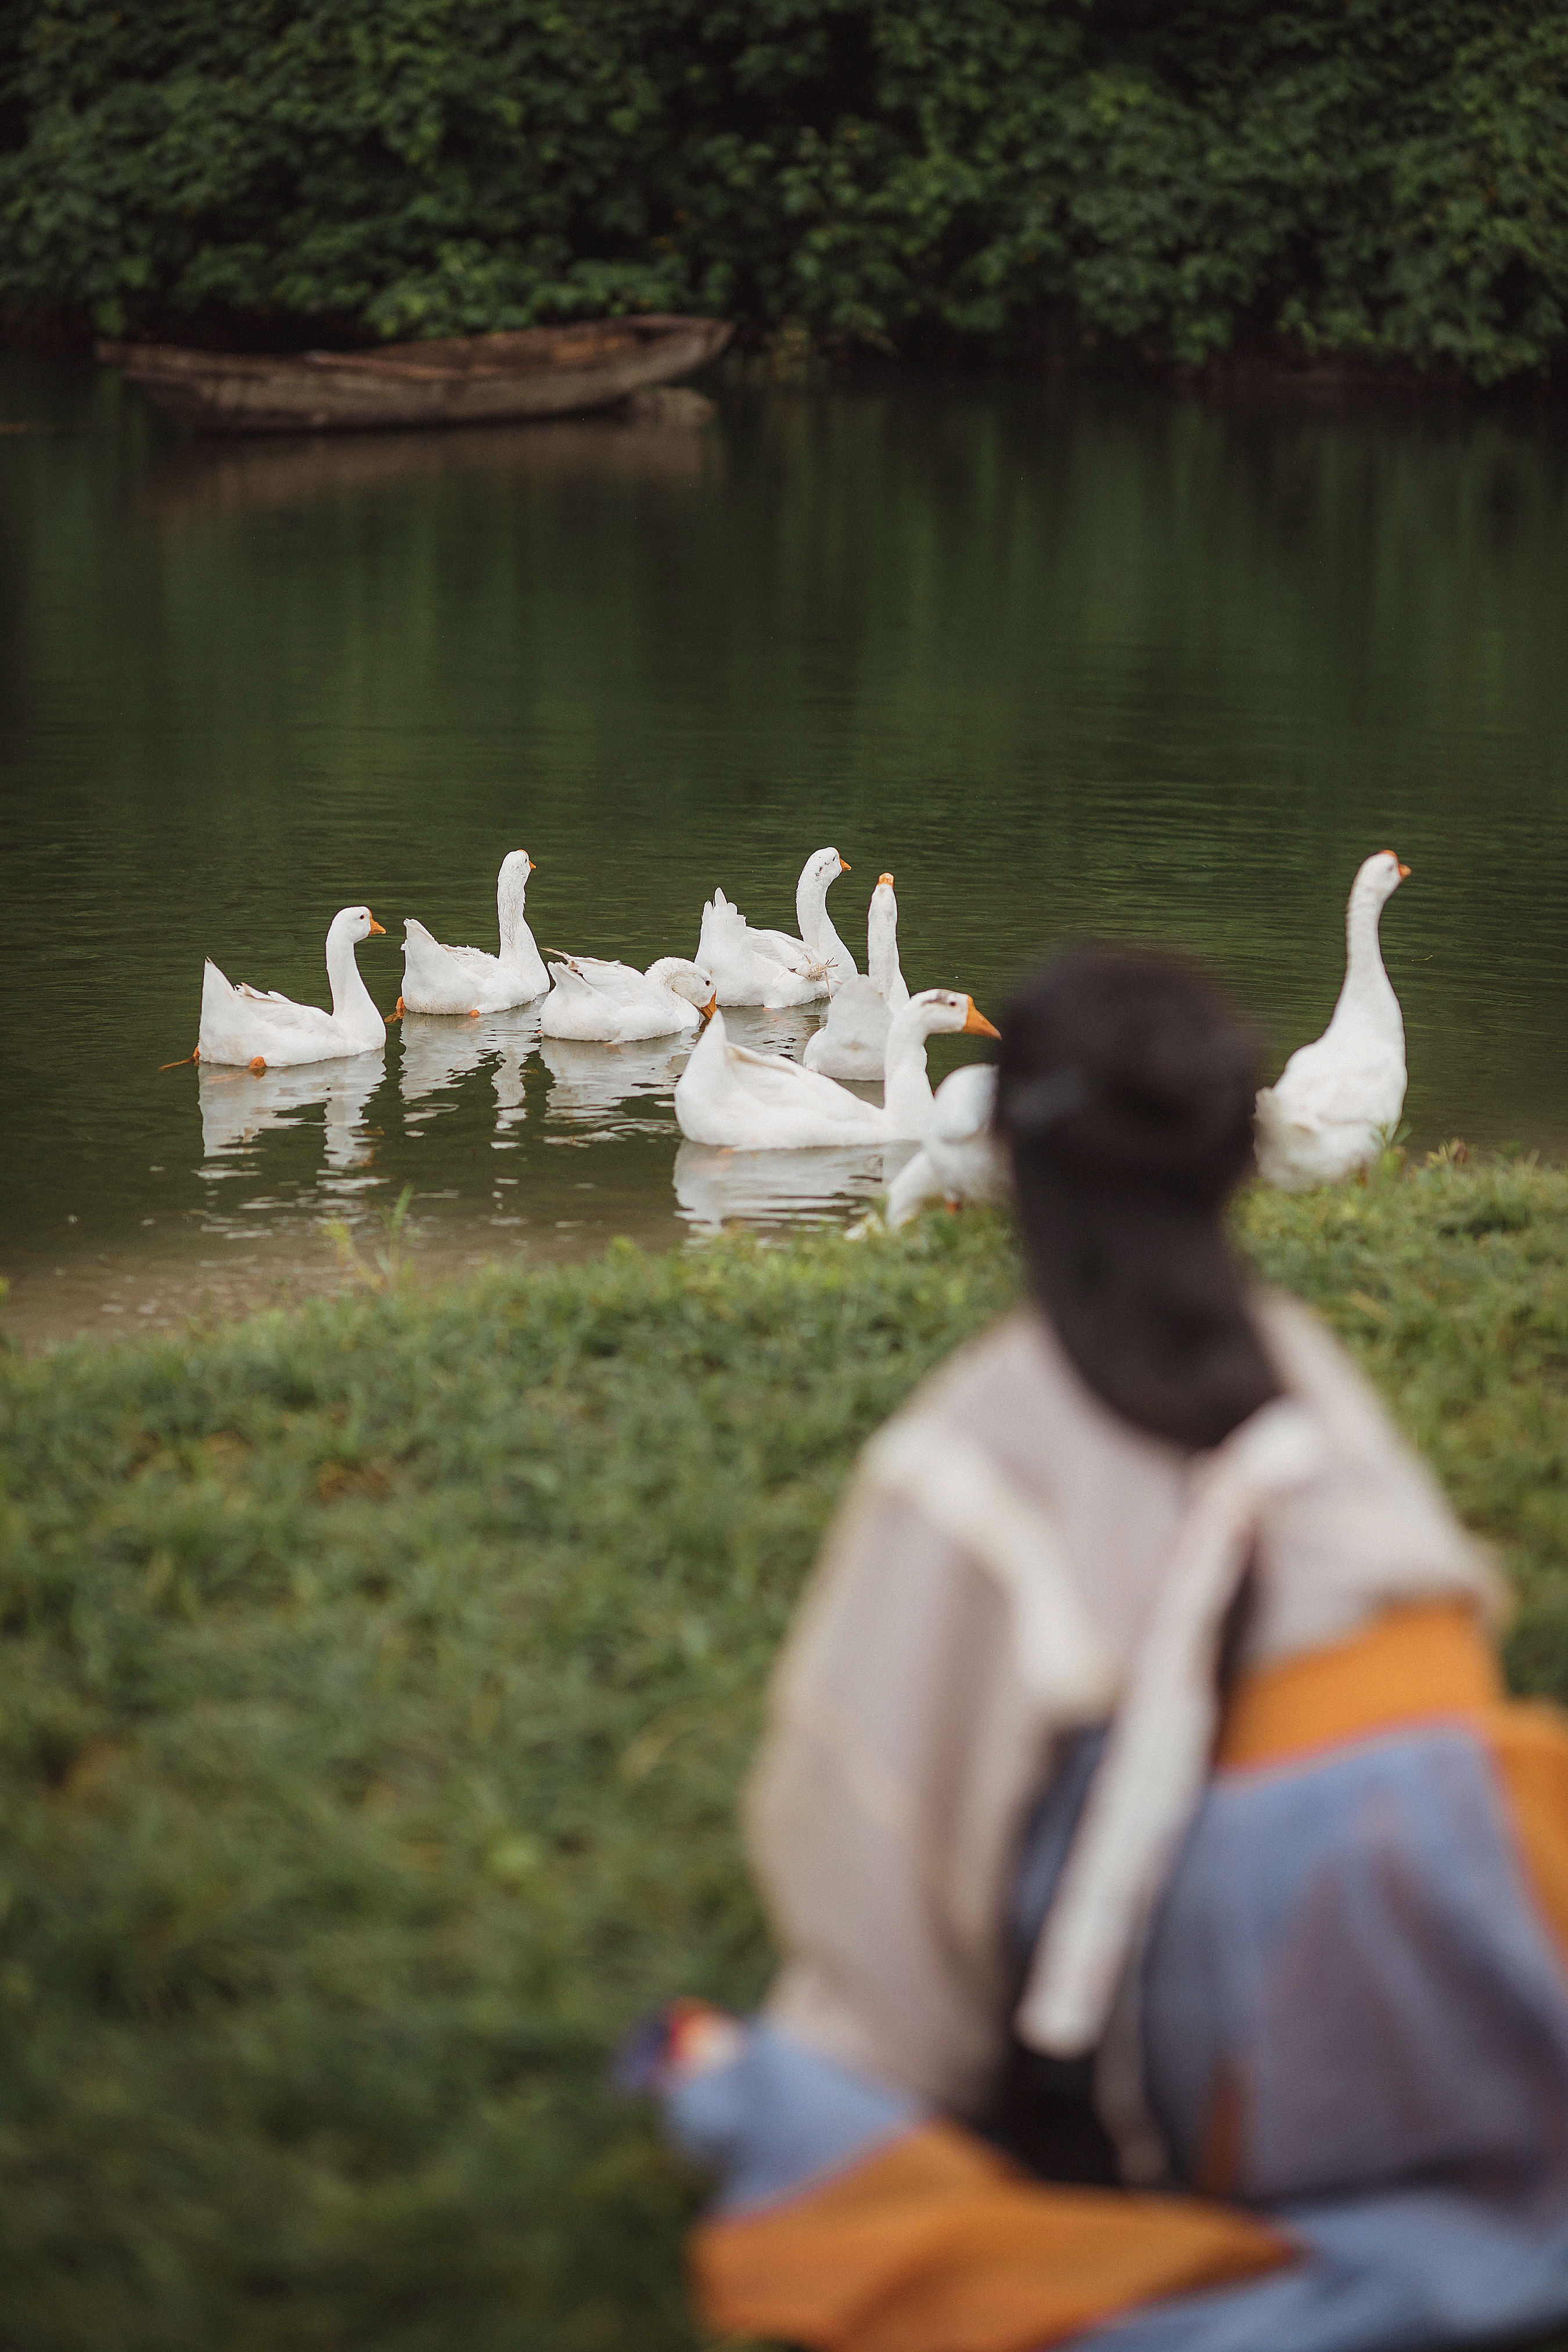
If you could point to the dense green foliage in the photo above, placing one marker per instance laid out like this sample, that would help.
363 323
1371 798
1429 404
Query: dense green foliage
373 1684
1378 181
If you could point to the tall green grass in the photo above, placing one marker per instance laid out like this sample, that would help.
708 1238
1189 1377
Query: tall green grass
374 1682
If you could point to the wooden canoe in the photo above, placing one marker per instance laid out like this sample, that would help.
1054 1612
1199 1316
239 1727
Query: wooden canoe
469 380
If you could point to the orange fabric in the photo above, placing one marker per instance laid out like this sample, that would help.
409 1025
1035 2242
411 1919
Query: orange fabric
939 2244
1411 1665
1529 1750
1416 1665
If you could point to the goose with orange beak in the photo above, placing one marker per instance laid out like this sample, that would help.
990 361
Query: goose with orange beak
907 1097
1336 1104
261 1030
443 980
606 1004
729 1095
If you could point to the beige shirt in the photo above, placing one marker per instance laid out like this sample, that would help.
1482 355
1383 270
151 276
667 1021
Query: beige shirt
983 1590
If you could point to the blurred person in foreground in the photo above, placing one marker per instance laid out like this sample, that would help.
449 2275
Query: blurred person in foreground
1174 1909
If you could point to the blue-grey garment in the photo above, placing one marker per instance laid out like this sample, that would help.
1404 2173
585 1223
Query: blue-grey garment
778 2116
1349 1943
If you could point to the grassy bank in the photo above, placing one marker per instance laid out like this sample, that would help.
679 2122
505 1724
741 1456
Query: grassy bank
375 1684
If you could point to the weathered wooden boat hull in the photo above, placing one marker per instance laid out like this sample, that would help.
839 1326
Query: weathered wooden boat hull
534 372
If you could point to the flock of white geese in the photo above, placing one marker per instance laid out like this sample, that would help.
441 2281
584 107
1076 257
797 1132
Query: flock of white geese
1331 1111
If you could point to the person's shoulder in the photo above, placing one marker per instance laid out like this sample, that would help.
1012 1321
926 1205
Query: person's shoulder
988 1377
1312 1362
1010 1392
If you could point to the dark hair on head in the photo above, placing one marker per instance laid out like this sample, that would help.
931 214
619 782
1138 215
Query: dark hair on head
1124 1098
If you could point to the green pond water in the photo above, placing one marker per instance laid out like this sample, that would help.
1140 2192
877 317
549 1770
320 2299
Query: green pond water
1065 661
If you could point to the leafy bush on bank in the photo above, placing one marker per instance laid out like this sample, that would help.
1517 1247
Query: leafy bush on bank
374 1682
1384 183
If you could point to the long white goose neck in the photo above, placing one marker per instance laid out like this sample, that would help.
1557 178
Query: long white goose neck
516 938
816 924
882 950
351 1000
907 1097
1368 992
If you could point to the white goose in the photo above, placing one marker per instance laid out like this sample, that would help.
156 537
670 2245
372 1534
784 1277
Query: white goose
264 1031
907 1097
1338 1100
763 967
729 1095
827 962
613 1005
960 1158
437 978
852 1041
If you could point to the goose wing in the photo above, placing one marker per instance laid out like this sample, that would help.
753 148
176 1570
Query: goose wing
620 981
772 1083
1340 1079
477 963
792 953
239 1022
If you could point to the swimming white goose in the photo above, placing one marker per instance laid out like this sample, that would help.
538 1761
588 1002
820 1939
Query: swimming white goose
960 1158
763 967
1337 1101
907 1096
265 1031
437 978
613 1005
852 1041
729 1095
816 963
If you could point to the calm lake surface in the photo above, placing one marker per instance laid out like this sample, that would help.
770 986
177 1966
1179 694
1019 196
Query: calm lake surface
1065 661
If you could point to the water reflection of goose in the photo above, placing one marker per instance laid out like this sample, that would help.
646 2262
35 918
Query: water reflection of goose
507 1078
437 1053
237 1107
768 1188
586 1081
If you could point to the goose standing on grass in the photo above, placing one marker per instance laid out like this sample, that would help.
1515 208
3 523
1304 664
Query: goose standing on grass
852 1041
264 1031
728 1094
1337 1101
613 1005
908 1100
437 978
960 1158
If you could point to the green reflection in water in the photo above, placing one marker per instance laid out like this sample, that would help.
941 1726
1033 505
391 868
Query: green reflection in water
1064 661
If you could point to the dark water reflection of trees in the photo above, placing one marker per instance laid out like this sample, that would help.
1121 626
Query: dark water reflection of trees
1062 659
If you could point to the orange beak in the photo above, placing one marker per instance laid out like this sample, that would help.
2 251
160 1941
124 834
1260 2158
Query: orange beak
844 867
887 879
711 1006
1404 873
380 928
977 1024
